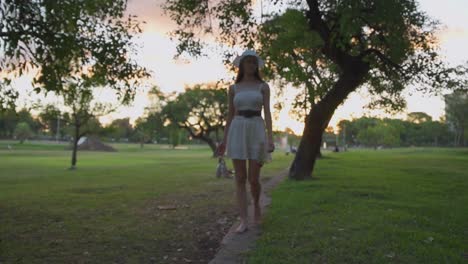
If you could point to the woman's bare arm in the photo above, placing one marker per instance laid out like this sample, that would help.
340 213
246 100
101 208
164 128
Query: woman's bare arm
266 110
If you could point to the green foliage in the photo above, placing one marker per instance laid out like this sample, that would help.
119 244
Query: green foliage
90 40
10 118
8 121
293 55
8 95
311 44
372 132
23 131
150 128
194 18
120 129
419 117
456 110
381 134
175 136
49 118
200 110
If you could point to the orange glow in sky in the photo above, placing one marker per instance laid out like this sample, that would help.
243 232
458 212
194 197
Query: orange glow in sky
157 53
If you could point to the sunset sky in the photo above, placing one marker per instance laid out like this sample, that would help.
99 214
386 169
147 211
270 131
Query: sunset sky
157 51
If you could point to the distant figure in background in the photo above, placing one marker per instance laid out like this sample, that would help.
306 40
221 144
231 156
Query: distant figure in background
336 149
292 150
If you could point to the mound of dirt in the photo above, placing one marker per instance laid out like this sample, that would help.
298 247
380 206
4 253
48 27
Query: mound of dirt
93 144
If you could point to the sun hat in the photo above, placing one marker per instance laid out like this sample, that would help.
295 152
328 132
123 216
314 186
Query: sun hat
249 52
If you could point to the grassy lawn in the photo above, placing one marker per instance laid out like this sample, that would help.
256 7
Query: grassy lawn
389 206
107 210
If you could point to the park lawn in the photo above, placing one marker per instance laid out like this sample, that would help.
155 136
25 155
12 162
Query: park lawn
386 206
107 210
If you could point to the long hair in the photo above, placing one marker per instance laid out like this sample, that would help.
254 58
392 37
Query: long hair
240 73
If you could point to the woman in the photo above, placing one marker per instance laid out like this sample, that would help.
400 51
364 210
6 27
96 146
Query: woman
245 138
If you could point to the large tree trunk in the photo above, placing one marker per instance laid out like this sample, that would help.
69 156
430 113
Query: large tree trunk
319 117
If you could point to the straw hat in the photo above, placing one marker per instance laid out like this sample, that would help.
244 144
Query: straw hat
248 52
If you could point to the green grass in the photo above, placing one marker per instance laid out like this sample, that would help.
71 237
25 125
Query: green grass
391 206
106 211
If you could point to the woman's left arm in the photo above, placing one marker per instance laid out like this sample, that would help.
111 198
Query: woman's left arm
266 109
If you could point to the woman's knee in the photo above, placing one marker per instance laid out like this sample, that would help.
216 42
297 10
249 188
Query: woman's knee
241 178
253 180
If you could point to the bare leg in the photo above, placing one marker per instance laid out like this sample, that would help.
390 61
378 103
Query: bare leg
255 188
241 178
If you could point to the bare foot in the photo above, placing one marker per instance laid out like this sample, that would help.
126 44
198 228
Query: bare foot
257 215
242 227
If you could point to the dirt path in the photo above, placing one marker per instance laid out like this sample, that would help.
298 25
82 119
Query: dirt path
234 246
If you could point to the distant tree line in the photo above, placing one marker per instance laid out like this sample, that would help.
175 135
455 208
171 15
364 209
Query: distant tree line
417 130
197 116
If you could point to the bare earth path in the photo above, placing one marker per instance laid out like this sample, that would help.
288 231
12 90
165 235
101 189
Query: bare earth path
234 246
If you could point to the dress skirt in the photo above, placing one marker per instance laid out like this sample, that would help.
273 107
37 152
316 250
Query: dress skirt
247 139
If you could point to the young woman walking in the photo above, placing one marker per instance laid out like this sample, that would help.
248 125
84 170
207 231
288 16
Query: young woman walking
248 138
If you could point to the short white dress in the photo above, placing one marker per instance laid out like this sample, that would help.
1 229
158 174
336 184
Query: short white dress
247 137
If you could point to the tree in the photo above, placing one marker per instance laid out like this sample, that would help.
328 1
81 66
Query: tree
50 118
68 38
151 126
121 129
419 117
382 133
289 46
201 111
74 46
456 111
382 45
174 136
23 131
78 98
435 132
395 132
8 122
8 95
10 118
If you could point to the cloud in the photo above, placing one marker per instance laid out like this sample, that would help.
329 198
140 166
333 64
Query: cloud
151 12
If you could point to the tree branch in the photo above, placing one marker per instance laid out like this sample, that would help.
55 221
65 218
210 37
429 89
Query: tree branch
383 58
316 23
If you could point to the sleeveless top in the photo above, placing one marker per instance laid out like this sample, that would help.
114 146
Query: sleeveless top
250 98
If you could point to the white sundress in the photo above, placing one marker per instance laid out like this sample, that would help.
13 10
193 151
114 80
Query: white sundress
247 138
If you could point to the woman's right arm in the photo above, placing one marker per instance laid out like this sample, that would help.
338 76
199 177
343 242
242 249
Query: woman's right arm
231 112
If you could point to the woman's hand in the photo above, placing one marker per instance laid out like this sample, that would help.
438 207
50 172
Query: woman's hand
271 145
221 149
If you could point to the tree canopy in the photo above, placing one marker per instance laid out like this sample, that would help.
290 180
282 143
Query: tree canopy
200 110
384 46
55 40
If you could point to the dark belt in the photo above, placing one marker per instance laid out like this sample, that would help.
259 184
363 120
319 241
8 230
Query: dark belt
249 113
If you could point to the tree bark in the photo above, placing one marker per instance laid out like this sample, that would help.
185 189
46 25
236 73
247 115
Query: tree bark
304 162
